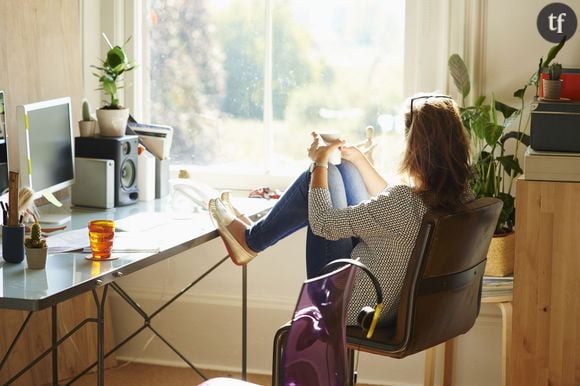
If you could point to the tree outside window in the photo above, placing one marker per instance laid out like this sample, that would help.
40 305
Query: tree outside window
335 65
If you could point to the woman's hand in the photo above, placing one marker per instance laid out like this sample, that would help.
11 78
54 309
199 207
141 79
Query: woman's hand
319 151
351 153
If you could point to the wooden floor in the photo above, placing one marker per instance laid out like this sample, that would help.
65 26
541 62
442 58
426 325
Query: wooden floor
152 375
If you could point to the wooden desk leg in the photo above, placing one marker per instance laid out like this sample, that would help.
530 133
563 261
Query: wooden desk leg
447 364
506 339
448 348
429 376
448 351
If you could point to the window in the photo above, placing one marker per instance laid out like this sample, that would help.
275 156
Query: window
243 99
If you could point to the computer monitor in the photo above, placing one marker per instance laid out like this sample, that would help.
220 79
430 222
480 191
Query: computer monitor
45 147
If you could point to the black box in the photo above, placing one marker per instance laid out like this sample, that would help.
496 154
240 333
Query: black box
555 126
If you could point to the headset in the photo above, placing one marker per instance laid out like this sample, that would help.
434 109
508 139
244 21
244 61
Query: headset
368 317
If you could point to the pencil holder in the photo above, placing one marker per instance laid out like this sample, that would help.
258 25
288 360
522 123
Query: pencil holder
13 243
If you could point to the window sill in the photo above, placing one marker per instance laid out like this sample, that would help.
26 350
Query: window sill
224 179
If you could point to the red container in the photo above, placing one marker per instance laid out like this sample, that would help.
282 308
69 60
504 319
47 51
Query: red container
570 83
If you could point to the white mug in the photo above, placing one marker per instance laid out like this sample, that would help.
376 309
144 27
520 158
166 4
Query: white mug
329 136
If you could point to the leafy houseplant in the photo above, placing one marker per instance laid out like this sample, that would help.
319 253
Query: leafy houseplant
493 168
113 117
552 86
36 249
492 126
87 126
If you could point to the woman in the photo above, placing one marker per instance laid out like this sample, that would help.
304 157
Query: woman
350 211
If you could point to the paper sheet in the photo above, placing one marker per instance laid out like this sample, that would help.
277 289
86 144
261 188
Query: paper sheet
125 242
68 241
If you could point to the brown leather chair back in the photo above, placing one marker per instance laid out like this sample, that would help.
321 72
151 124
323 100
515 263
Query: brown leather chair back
441 294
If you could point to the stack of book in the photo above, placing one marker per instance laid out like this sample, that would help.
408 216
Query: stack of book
497 285
551 166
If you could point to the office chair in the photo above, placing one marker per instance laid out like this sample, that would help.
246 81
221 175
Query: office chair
312 346
441 294
440 300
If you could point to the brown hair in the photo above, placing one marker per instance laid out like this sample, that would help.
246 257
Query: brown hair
437 154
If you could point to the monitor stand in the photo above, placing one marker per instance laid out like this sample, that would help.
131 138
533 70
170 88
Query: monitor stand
52 199
56 215
54 219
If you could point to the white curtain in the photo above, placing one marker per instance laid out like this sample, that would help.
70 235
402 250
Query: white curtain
435 29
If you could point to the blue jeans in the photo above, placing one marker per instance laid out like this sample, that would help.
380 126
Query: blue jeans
290 214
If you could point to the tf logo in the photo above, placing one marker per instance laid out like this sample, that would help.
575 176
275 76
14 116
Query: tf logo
556 20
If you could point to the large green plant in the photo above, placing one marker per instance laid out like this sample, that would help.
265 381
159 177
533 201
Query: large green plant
111 73
492 125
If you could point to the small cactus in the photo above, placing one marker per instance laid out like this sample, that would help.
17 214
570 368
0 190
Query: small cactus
555 70
35 241
87 111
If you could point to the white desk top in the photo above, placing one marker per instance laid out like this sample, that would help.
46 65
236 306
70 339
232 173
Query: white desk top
69 274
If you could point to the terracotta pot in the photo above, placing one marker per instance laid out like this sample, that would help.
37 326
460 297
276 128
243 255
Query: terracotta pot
552 88
36 257
112 123
500 255
87 128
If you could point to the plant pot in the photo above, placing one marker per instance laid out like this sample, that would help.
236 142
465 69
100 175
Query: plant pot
500 255
552 88
36 257
112 122
87 128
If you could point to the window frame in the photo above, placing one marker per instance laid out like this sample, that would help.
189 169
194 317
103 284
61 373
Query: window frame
122 18
129 22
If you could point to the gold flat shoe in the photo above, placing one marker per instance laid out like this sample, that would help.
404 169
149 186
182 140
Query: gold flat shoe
221 219
225 198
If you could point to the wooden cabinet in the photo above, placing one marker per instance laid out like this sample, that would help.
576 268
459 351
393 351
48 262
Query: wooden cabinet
546 301
74 355
41 58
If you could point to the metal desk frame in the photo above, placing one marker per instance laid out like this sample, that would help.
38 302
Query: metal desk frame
105 281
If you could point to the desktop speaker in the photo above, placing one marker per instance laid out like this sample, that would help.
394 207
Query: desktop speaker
122 150
94 183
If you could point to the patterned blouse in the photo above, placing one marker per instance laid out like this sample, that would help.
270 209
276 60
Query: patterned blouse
387 226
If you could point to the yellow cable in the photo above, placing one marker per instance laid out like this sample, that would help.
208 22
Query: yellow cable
375 320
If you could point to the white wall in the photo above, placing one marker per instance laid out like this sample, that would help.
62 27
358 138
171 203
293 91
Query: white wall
205 324
207 321
513 46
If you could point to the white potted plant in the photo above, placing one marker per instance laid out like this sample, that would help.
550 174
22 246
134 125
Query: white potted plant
88 125
36 249
113 117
